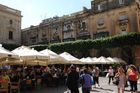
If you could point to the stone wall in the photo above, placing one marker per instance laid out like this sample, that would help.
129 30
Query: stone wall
137 55
108 5
131 54
10 21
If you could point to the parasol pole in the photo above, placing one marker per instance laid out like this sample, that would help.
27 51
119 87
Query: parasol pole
23 63
102 67
48 60
64 67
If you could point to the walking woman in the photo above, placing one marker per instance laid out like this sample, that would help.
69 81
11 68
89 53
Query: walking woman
133 78
122 79
95 74
111 74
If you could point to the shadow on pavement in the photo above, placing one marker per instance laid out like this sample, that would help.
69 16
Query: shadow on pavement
60 89
106 89
102 89
95 90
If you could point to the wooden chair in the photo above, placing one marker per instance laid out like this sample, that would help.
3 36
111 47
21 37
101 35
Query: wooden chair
15 86
28 84
38 83
4 87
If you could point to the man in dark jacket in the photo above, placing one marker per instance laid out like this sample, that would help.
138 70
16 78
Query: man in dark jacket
72 80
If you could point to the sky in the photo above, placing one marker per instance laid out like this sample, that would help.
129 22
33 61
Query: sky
34 11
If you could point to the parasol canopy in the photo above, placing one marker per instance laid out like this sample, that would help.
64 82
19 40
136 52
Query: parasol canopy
70 59
54 58
30 56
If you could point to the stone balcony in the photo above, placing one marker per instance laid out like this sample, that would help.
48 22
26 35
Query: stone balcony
55 41
67 30
101 35
83 35
69 39
122 21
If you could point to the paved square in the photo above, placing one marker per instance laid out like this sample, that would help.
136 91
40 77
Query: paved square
105 88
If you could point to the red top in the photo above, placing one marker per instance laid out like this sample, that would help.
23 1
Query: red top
2 80
68 70
133 76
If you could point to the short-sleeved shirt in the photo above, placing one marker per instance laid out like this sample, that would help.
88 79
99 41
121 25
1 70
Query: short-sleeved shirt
94 72
6 77
111 72
87 80
133 76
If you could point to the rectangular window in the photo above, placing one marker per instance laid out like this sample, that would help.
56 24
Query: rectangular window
101 21
10 35
11 21
121 1
99 7
83 24
123 17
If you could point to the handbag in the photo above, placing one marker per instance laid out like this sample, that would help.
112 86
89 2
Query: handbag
68 91
107 75
82 81
116 81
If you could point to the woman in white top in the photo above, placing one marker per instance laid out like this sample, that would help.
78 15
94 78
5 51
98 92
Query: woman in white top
111 74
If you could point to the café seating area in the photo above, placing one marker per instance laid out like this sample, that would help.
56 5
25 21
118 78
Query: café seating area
16 80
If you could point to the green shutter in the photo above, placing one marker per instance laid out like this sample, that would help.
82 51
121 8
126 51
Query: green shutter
55 26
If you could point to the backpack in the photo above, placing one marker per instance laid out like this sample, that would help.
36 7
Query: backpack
82 81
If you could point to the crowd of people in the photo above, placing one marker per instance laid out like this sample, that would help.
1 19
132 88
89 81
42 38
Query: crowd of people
49 76
73 77
119 76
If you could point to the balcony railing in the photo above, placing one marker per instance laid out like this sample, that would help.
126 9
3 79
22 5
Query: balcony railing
44 39
55 41
44 42
67 30
83 33
123 21
43 35
101 35
68 39
84 37
33 37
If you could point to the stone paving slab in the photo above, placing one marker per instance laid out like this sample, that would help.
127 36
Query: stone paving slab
104 88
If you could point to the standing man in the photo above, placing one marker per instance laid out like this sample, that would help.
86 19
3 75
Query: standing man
72 80
86 82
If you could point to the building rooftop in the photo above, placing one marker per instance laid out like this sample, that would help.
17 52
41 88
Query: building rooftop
10 10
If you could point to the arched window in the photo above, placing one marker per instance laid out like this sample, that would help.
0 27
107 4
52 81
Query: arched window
100 7
83 24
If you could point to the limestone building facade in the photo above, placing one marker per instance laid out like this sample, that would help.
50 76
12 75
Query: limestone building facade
10 25
105 18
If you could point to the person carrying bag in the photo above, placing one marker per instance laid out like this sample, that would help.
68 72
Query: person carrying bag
120 79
